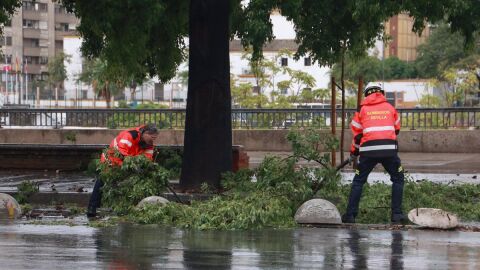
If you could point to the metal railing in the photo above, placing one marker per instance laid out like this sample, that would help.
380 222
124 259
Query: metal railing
438 118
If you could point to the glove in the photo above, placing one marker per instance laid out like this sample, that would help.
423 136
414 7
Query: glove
355 152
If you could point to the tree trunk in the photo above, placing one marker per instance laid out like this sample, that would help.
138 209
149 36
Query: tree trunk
133 89
107 96
342 135
208 131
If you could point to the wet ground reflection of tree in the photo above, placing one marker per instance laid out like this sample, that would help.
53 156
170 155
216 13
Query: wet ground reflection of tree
207 249
135 247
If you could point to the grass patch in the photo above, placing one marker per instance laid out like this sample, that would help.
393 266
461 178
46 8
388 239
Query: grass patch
462 199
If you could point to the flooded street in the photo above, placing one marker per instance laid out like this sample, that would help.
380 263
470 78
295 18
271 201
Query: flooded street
153 247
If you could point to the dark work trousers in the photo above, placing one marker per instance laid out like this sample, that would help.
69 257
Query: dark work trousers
365 165
96 197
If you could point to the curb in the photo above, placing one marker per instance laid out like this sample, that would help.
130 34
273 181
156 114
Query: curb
81 198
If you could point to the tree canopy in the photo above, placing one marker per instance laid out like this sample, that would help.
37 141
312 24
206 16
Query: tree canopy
57 71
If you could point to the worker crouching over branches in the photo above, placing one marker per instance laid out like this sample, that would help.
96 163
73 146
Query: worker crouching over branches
132 142
375 129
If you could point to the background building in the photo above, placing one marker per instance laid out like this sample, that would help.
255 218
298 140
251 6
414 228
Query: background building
32 38
403 42
407 93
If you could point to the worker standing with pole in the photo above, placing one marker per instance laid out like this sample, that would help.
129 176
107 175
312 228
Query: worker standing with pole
375 129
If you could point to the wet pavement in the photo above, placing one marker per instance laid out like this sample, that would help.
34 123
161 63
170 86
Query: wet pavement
47 180
437 163
153 247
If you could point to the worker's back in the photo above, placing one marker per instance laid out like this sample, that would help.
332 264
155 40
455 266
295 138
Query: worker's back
378 125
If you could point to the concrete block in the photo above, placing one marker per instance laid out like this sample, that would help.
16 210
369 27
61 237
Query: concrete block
155 200
318 211
433 218
9 207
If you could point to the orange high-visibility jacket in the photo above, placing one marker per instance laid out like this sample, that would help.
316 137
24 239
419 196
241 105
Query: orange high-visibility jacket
127 143
375 128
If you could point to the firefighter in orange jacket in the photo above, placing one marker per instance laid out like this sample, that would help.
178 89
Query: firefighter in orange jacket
134 142
375 129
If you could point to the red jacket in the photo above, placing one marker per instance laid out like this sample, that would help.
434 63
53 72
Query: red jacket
375 128
128 144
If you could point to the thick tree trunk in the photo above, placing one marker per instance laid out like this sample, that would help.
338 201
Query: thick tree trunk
208 131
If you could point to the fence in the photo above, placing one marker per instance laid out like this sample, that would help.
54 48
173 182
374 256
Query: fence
443 118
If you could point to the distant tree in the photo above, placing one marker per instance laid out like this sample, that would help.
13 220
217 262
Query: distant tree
370 68
430 101
266 70
398 69
243 96
443 50
458 87
57 72
105 80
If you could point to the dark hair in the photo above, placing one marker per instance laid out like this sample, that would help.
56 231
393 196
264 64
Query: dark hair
149 129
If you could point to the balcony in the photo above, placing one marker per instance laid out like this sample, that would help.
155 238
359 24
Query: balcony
65 18
34 15
60 34
31 51
31 33
36 68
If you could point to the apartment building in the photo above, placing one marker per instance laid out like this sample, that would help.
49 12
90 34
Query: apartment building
31 39
403 42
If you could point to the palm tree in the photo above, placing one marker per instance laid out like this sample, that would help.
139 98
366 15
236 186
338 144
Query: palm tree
105 81
57 73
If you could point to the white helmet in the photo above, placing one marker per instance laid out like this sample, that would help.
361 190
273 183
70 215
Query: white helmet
373 87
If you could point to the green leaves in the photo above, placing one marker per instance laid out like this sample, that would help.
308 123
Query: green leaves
7 9
57 71
25 190
135 180
143 37
443 50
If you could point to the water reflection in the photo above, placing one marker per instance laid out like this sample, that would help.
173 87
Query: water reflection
153 247
207 250
358 251
396 256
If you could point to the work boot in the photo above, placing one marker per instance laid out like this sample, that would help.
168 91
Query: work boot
398 219
348 219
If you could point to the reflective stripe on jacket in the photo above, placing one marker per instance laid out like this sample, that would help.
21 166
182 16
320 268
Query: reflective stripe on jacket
375 128
127 143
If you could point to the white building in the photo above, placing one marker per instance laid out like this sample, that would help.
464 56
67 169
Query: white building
407 93
284 33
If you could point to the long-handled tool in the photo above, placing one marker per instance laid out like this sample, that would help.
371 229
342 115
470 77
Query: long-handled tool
174 193
168 184
344 163
339 167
